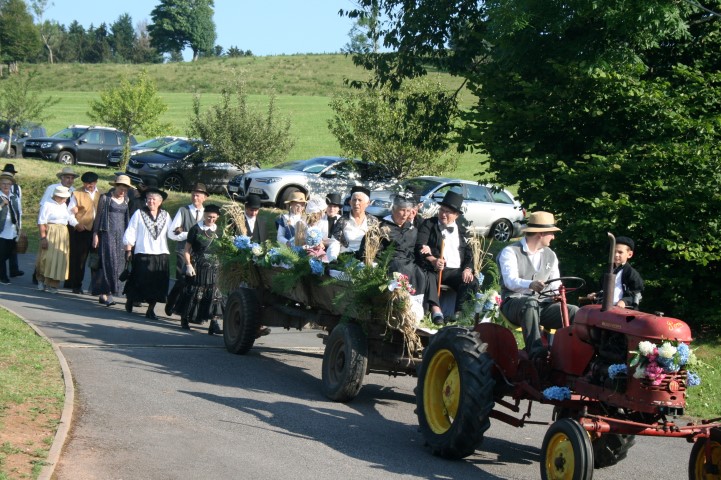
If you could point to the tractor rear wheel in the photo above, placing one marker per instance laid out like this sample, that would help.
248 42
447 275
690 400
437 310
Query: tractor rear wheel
345 360
241 321
611 448
454 396
697 463
566 452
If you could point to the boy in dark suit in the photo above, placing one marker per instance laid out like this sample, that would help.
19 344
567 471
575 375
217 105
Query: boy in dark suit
629 284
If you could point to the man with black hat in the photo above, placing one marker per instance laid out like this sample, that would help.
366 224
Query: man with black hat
525 267
15 190
185 218
332 213
82 207
442 251
256 228
349 230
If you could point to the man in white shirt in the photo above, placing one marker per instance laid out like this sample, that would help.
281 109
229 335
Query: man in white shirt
66 176
526 266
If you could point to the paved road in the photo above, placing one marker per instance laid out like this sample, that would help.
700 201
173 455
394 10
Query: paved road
155 402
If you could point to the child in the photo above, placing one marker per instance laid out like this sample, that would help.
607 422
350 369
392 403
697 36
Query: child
629 284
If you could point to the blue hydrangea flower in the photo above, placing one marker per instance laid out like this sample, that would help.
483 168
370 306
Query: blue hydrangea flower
316 266
557 393
692 379
617 369
489 305
480 277
313 237
298 249
241 242
664 362
683 352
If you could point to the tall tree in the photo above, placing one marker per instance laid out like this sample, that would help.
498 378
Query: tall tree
19 38
133 107
361 36
74 44
48 30
122 38
143 52
177 24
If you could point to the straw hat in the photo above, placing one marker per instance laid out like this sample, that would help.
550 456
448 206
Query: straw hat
541 222
122 180
62 192
296 197
67 171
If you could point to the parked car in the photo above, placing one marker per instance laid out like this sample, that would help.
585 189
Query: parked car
116 154
180 164
490 211
20 135
320 176
77 144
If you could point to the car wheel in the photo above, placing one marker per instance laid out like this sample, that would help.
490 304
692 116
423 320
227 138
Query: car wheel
173 182
66 158
13 152
502 230
285 195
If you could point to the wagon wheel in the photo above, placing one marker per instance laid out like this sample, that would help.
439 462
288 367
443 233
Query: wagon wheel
344 362
576 283
698 468
240 321
566 452
454 396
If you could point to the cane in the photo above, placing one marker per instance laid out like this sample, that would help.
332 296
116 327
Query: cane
440 272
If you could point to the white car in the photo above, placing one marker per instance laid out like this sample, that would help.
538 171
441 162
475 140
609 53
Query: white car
490 211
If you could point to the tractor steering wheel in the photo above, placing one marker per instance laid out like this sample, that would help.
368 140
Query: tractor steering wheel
576 283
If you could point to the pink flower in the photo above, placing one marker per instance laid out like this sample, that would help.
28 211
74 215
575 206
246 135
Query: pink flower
655 373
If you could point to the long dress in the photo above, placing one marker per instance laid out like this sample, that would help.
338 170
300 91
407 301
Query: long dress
201 300
110 225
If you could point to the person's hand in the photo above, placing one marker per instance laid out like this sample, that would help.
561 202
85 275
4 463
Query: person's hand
621 304
591 296
44 243
189 270
79 227
96 240
537 286
425 250
467 275
73 210
128 255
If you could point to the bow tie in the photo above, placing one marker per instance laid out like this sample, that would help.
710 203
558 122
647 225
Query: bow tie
449 229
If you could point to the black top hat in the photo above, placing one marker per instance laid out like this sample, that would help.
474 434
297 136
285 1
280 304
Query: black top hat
252 201
212 208
416 191
10 168
89 177
452 200
362 189
150 190
625 241
199 187
334 199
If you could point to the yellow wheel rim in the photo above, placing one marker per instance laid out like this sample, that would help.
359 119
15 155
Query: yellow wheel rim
560 461
700 461
441 391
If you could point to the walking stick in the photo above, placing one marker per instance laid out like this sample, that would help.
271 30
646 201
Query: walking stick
440 272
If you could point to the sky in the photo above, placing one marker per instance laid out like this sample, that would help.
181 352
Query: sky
265 27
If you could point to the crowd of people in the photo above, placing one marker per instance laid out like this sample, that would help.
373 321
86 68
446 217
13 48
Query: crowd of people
122 236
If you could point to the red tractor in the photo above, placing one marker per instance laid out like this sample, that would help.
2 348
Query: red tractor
600 405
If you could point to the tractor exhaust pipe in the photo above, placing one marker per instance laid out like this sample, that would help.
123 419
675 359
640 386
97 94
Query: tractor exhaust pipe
609 278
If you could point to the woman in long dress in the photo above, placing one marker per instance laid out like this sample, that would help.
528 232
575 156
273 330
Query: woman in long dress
201 299
52 263
110 223
146 243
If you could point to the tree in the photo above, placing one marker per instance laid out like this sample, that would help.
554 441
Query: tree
19 38
183 23
48 30
122 39
238 134
98 50
74 44
142 51
21 103
605 113
361 38
133 107
407 130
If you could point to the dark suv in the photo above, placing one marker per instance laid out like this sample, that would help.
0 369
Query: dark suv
79 144
22 133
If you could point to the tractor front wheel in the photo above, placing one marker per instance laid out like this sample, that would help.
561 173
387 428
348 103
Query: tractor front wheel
241 321
454 396
566 452
345 360
698 467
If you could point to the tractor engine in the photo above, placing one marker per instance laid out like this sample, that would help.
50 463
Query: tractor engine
598 339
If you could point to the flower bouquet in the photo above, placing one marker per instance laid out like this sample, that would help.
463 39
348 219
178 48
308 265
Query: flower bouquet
655 362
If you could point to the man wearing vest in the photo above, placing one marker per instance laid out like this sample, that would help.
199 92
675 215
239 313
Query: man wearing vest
186 217
82 207
525 267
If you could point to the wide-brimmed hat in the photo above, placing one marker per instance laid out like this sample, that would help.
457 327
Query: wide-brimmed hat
62 192
212 208
10 168
315 205
67 171
8 176
150 190
199 187
122 180
252 201
89 177
541 222
296 197
334 199
453 200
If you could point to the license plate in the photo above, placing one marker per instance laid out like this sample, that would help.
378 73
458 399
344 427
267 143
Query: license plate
30 150
255 190
133 170
232 188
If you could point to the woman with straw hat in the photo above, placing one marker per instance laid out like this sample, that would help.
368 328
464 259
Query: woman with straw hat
51 266
288 223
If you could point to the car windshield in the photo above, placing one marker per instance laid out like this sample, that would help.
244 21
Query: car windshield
70 133
314 165
178 148
155 142
423 185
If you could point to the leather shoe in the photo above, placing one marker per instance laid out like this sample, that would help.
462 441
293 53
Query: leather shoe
151 315
184 324
214 328
79 291
262 331
128 306
437 318
19 273
110 303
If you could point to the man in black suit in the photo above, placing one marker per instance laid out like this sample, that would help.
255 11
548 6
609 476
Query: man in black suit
256 227
442 246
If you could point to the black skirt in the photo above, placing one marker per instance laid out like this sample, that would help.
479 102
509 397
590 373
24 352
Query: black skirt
149 278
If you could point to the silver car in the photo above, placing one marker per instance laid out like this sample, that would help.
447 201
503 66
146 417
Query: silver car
489 210
318 176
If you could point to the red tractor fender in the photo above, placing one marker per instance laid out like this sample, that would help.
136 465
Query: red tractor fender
501 346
